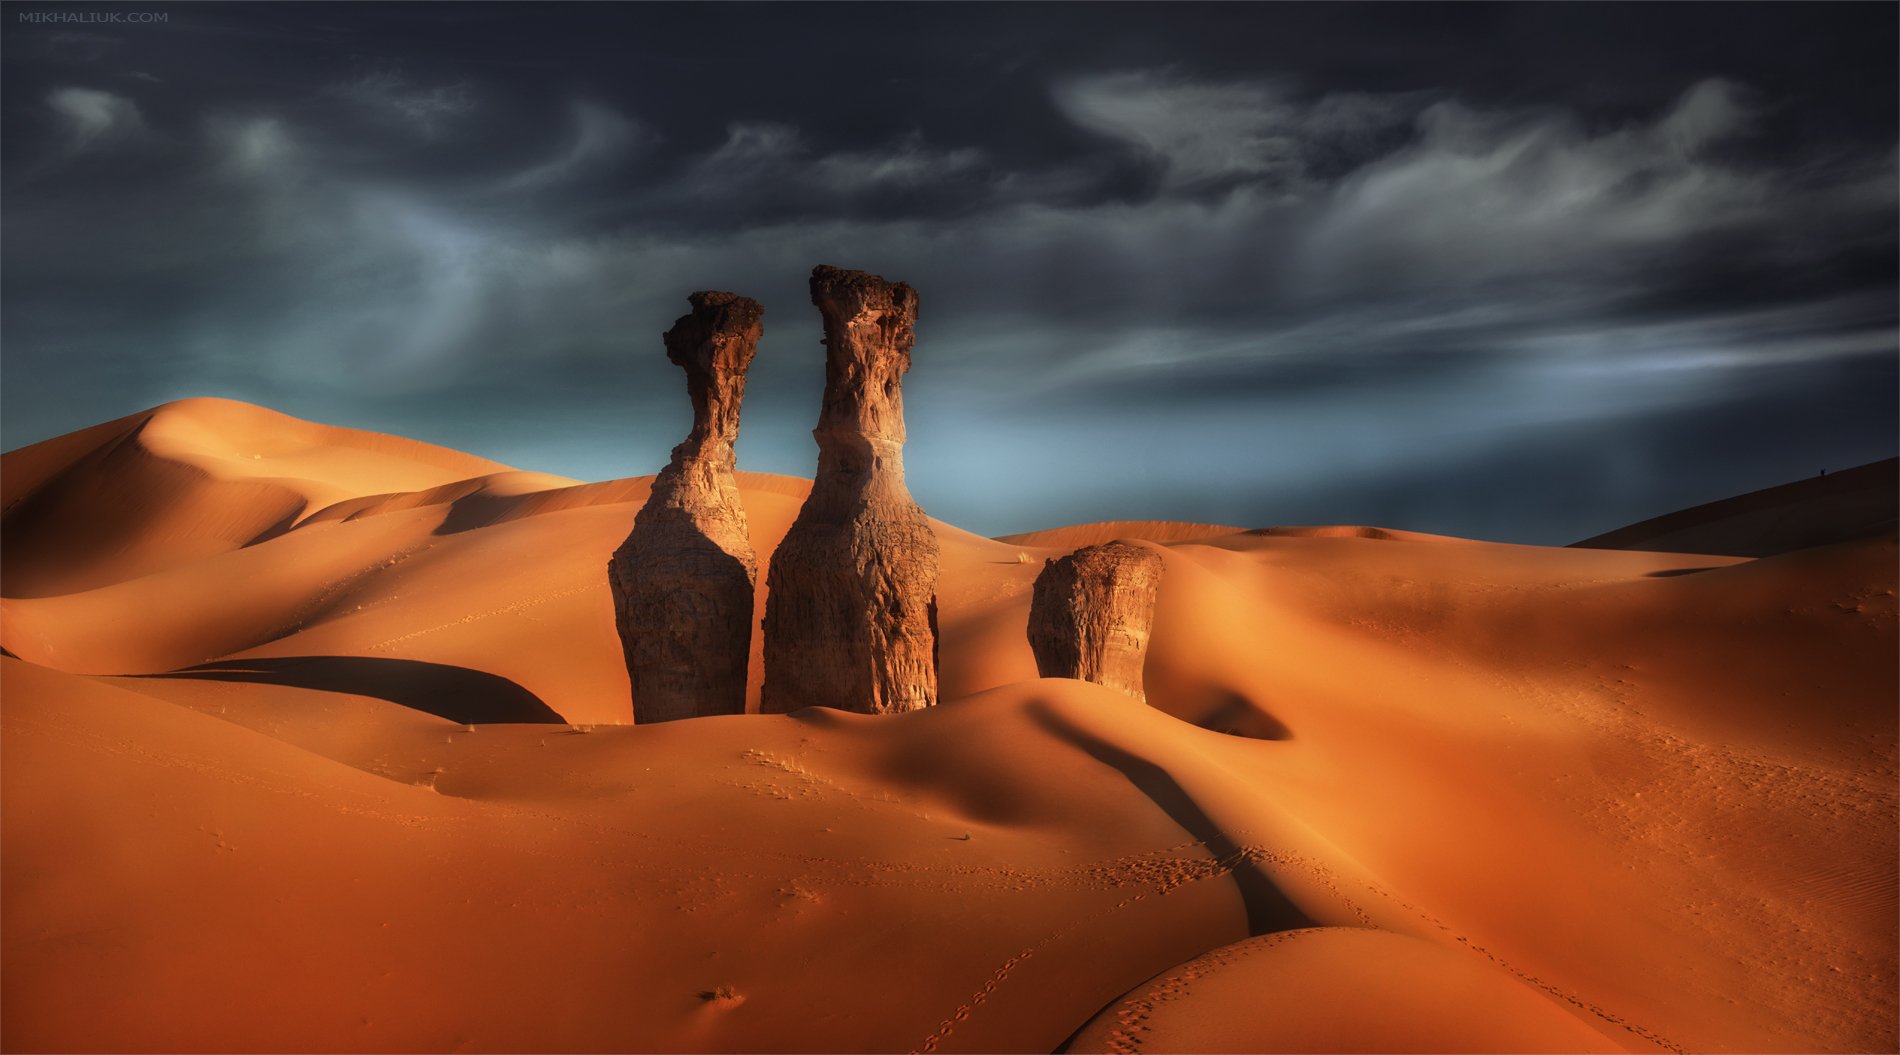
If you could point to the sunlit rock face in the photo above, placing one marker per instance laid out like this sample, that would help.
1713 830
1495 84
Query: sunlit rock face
1092 612
851 610
683 580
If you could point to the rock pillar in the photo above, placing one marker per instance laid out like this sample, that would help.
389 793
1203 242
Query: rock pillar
683 581
1091 613
851 606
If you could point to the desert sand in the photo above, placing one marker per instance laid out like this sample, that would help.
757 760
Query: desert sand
319 740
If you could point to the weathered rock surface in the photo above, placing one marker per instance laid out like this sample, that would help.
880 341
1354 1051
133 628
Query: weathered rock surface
851 613
1091 614
683 581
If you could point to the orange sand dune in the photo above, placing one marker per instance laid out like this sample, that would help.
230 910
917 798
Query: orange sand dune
188 480
1068 538
1171 531
362 781
1356 531
1328 989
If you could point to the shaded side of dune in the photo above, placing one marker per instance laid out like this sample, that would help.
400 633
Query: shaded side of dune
1838 507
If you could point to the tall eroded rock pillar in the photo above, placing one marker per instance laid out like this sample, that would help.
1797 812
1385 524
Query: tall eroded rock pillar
683 581
1091 613
851 609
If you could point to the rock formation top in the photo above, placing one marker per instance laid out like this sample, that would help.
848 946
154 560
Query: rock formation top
714 345
1091 614
869 329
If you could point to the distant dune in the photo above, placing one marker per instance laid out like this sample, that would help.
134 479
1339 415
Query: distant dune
316 740
1172 531
1838 507
1108 530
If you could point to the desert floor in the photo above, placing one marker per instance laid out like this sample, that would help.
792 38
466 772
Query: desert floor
318 740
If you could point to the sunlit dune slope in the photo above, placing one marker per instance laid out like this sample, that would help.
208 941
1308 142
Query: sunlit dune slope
365 784
503 573
185 481
1334 989
520 888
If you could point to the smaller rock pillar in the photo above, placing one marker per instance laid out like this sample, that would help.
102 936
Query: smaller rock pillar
1091 614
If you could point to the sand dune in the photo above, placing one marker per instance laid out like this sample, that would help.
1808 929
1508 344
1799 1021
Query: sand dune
332 756
1326 989
185 481
1076 536
1837 507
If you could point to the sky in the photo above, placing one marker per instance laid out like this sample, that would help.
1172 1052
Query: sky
1522 272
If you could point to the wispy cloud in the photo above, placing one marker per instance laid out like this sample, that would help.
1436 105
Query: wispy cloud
94 119
429 111
1202 132
750 145
249 146
599 137
1481 194
909 162
776 158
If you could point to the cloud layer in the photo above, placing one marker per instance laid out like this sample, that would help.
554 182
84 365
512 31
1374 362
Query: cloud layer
1173 283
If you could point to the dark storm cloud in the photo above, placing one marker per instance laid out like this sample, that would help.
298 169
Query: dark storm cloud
1235 262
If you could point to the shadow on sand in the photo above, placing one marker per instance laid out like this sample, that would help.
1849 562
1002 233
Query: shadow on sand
1268 910
1236 715
459 694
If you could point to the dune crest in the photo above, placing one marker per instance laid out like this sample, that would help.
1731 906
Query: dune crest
1095 534
188 480
1343 989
